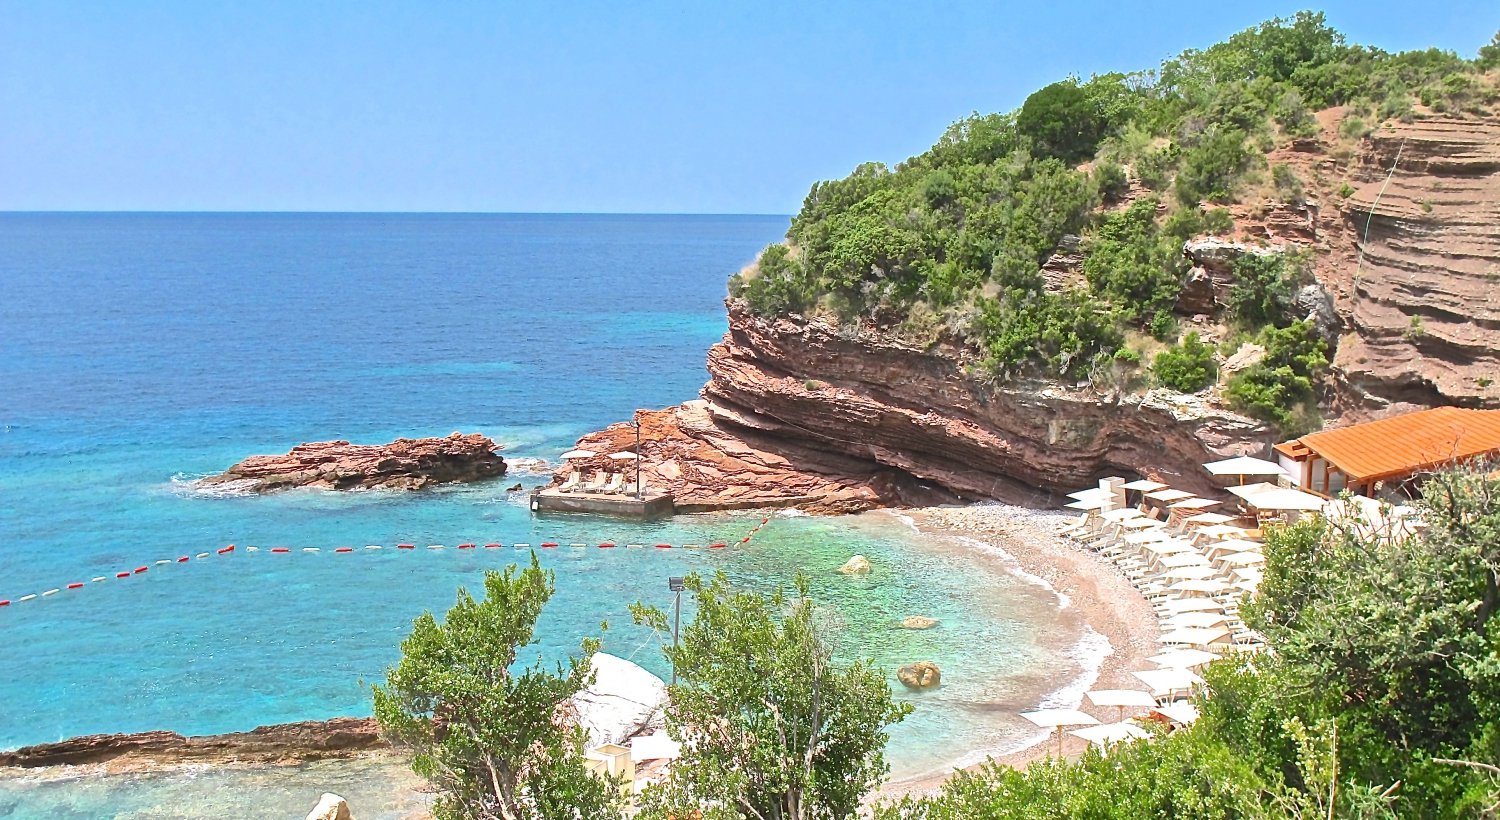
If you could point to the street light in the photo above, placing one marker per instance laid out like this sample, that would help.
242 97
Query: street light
639 493
674 584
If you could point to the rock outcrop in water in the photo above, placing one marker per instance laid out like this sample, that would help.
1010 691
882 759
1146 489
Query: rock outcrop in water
280 743
404 464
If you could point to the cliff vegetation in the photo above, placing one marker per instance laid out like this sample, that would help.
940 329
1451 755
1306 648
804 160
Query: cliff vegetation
1049 240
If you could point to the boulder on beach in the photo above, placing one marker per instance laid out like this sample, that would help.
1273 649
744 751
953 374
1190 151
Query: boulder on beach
330 807
623 701
920 675
918 622
858 565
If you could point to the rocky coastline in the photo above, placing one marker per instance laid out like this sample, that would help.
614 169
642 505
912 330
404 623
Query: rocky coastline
404 464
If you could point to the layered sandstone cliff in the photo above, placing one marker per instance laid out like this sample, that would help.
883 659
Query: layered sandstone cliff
800 413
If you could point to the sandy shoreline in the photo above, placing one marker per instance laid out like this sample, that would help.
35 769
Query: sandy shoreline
1099 595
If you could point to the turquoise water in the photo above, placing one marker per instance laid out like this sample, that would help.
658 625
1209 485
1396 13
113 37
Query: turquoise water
139 352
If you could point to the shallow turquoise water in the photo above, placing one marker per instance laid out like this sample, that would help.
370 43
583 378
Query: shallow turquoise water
138 352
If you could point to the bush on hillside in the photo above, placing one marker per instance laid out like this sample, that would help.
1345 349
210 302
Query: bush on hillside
1110 179
1212 170
1062 122
1187 367
1132 263
1281 387
1265 286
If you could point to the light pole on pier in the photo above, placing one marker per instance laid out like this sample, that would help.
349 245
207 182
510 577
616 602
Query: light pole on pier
675 585
639 492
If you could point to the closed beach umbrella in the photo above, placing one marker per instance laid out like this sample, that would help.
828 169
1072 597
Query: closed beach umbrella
572 454
1183 658
1106 734
1057 719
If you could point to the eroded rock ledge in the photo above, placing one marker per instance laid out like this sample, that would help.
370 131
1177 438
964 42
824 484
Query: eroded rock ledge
404 464
804 414
280 743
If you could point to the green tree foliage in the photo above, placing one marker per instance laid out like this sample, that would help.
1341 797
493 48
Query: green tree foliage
772 725
1380 686
1132 262
1265 286
1110 180
485 734
1062 121
1187 367
1280 387
1212 169
1489 55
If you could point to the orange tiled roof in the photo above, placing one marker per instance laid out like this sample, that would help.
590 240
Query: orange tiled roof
1409 443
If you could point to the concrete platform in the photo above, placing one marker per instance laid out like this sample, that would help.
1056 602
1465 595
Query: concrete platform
653 505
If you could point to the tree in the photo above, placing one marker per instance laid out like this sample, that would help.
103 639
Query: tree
1062 121
772 727
489 737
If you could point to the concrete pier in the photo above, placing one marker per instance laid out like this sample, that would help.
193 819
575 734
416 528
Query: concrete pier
652 505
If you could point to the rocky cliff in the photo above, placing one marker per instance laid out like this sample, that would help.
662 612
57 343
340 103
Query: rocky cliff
404 464
800 413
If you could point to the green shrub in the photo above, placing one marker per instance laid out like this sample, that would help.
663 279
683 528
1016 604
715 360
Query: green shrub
1212 170
1265 288
1288 186
1187 367
1294 117
1155 168
1217 221
1279 388
1110 179
778 287
1354 128
1131 263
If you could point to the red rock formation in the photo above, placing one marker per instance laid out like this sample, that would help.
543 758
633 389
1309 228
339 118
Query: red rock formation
404 464
280 743
802 414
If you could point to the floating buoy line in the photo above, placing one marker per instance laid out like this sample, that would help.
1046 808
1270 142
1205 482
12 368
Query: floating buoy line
233 550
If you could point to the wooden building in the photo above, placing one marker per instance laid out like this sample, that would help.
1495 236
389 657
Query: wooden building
1383 455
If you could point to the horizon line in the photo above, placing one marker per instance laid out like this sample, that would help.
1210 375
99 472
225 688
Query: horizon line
80 211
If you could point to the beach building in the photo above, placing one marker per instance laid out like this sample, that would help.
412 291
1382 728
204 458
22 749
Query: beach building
1381 457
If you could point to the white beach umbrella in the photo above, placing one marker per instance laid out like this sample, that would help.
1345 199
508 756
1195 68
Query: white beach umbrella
1168 680
1183 559
1057 719
1142 523
1107 734
1196 620
1089 504
1181 713
1148 536
1248 491
657 746
623 456
1169 547
1183 658
1237 545
1091 493
1284 499
1121 698
1195 636
1168 494
1145 485
572 454
1193 504
1243 559
1208 518
1252 574
1245 466
1221 531
1121 514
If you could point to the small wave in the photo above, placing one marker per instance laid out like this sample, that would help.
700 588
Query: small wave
790 512
526 465
1089 653
192 486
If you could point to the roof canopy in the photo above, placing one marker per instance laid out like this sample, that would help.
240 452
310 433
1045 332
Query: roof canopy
1401 445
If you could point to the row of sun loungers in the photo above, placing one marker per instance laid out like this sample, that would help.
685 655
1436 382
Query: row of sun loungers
601 484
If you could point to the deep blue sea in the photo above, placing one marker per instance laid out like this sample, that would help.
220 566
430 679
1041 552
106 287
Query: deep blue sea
141 351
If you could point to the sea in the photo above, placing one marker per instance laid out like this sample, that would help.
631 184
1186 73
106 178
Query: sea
141 352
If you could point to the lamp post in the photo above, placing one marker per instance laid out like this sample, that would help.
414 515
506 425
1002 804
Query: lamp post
639 493
674 584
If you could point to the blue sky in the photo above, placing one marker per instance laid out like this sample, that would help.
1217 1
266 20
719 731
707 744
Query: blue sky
638 106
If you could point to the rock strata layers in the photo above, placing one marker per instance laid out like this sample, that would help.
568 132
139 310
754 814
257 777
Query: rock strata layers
801 413
404 464
279 743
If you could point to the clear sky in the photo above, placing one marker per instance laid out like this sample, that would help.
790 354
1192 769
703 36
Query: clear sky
500 105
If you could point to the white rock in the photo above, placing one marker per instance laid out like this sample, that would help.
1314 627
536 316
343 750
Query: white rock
623 700
858 565
330 807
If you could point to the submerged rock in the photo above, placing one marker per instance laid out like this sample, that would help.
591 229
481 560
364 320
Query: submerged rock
920 675
404 464
918 622
331 807
858 565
